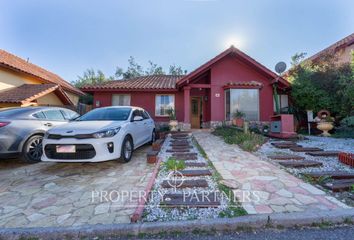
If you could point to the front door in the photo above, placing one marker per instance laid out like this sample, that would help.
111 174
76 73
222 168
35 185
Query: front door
196 110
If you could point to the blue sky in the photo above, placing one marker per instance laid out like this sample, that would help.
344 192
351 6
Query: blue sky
69 36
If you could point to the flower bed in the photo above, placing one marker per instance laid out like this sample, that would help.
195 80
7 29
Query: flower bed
156 208
247 141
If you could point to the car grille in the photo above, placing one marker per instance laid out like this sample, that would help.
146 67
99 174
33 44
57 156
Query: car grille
83 151
77 136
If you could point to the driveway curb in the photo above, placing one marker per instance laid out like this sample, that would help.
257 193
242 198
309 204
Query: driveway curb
224 224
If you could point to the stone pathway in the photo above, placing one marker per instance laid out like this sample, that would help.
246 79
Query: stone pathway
71 194
264 188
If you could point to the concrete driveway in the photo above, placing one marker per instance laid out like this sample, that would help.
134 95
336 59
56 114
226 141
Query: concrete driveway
71 194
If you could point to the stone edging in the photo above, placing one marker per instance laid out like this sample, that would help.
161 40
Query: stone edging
139 210
221 224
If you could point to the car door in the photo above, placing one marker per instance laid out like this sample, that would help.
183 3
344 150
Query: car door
148 126
53 117
137 128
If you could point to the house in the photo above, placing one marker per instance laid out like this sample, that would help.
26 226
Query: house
203 98
342 50
25 84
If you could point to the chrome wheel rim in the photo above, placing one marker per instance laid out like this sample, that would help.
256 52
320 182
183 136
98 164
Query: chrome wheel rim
34 148
127 150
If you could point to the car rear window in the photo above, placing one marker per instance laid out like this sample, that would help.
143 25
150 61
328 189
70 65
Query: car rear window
13 112
106 114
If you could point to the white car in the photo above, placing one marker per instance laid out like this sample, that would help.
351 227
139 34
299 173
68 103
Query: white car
110 133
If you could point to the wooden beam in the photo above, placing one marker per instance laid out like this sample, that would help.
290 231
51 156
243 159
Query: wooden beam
199 85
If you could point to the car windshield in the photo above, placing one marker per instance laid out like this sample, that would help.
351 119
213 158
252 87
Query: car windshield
106 114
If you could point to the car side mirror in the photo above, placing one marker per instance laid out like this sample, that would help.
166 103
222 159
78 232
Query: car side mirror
137 118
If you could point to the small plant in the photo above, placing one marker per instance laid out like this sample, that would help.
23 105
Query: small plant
239 114
171 114
172 164
352 188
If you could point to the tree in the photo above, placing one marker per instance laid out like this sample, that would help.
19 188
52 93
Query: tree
136 70
176 70
322 84
90 76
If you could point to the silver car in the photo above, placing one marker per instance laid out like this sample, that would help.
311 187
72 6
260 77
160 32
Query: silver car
22 130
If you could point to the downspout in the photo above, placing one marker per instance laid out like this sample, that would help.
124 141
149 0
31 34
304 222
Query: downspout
275 96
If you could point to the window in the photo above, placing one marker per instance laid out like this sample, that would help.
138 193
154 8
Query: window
120 100
243 100
146 115
39 115
163 104
283 101
69 115
54 115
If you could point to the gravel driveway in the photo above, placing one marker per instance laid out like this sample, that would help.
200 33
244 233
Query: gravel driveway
71 194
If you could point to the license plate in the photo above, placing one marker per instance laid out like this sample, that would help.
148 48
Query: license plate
66 149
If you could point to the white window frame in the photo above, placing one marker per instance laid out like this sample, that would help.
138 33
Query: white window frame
157 112
121 94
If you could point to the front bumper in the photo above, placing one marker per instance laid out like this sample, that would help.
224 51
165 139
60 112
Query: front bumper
100 146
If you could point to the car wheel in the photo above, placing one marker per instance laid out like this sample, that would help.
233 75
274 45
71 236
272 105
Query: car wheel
153 136
127 149
32 149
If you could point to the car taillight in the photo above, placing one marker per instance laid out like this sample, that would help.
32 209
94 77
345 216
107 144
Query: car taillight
3 124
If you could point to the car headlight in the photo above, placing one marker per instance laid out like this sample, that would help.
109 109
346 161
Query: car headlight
106 133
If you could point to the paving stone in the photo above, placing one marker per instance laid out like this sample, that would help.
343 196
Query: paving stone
182 150
340 185
284 193
278 209
292 208
286 157
231 183
324 154
305 149
203 200
102 208
331 174
184 184
195 164
62 218
195 173
305 199
35 217
300 164
311 189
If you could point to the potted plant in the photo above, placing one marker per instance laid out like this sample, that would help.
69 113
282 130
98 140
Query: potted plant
324 122
238 119
173 120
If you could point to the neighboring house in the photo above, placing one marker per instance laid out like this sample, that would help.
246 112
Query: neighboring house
342 50
205 97
25 84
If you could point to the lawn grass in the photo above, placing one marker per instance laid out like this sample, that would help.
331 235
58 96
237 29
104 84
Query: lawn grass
247 141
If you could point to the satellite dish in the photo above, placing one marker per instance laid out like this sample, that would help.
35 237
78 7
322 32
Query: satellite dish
280 67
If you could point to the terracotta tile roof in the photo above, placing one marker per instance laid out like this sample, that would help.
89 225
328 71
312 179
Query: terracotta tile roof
244 84
11 61
156 82
29 92
347 41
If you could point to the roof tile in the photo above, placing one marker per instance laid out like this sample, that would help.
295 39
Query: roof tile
11 61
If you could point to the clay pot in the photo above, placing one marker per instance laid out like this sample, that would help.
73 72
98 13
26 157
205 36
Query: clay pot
325 127
173 125
238 122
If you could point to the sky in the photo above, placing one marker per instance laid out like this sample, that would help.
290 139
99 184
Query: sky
69 36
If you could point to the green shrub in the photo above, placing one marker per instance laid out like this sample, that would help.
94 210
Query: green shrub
172 164
247 141
347 122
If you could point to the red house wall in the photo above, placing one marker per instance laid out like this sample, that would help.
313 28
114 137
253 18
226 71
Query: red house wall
231 69
142 99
